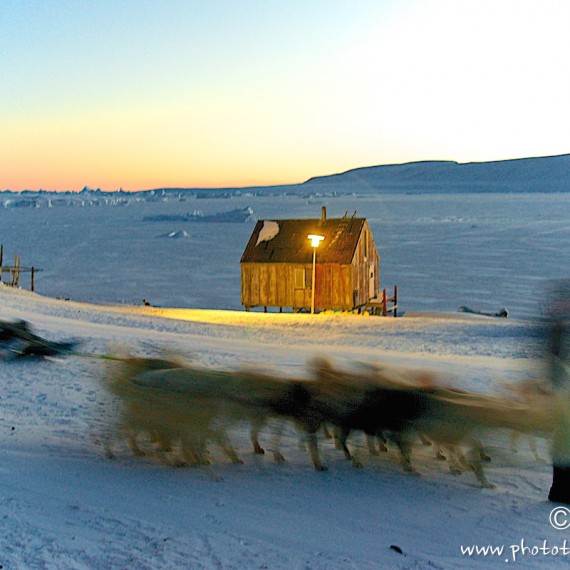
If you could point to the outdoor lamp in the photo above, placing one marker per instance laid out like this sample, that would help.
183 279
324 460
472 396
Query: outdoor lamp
315 242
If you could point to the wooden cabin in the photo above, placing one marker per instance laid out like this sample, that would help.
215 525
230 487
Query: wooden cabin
277 264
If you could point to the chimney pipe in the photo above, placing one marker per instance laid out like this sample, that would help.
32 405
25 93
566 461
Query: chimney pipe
324 214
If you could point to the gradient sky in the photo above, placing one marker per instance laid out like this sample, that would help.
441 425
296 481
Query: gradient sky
145 94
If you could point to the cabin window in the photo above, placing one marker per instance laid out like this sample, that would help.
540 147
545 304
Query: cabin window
303 278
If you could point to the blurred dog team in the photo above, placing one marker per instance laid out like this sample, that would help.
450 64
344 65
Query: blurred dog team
174 412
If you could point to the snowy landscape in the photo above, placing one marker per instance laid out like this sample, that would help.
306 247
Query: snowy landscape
442 247
65 505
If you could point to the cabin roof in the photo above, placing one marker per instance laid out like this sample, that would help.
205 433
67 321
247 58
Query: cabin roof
291 245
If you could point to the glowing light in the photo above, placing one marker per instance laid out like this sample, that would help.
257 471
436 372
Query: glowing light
315 239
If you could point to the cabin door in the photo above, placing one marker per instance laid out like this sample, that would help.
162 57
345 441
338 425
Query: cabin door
372 283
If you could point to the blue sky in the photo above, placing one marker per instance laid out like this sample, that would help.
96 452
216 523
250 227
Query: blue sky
232 93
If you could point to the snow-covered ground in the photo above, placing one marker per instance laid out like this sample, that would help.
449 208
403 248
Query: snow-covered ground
64 505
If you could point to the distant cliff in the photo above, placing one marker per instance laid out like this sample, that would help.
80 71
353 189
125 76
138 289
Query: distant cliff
541 174
544 174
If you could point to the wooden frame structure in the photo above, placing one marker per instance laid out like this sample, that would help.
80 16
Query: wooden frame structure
384 304
15 270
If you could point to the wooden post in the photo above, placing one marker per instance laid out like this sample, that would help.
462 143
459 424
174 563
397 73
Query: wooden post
1 261
395 300
384 308
32 279
16 272
313 281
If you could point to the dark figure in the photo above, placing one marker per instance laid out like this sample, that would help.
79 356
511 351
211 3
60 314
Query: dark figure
17 340
559 356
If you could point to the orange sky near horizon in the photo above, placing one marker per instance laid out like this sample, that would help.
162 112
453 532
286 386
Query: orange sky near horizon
141 95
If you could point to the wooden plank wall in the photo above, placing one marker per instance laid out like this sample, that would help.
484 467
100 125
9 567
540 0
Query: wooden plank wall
361 267
333 286
273 285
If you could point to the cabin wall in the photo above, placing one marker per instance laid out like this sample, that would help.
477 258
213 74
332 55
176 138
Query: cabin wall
365 268
333 286
274 285
289 285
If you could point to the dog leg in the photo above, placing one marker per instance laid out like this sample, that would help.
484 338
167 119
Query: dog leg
473 464
231 453
224 443
424 439
405 448
184 460
175 457
190 453
314 451
370 440
193 450
439 453
108 452
162 441
343 435
457 461
276 444
336 438
202 451
532 447
133 446
257 449
108 443
478 447
477 468
382 442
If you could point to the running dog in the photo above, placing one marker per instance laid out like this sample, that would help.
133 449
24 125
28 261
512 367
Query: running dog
380 401
188 406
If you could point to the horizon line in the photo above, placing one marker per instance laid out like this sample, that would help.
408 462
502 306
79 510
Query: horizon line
290 184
